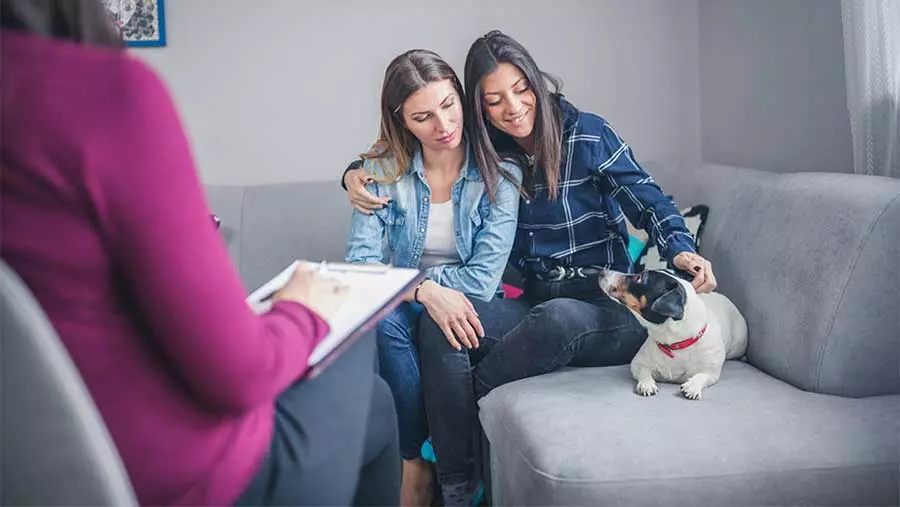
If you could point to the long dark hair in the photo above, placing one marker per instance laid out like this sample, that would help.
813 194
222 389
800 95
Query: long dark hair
81 21
405 75
492 145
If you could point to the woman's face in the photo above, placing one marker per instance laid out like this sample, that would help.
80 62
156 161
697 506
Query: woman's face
434 115
509 101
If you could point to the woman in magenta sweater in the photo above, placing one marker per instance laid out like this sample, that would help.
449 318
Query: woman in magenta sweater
104 218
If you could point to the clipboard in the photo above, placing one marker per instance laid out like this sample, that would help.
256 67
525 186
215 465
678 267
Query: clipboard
375 290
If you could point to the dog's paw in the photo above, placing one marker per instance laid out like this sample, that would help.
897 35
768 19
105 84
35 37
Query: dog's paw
646 388
692 389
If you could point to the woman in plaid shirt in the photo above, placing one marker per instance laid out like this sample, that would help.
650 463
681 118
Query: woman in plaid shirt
580 183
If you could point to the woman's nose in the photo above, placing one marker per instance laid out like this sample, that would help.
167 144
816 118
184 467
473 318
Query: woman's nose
444 123
515 105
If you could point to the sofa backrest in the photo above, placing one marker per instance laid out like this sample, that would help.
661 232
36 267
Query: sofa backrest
812 260
267 227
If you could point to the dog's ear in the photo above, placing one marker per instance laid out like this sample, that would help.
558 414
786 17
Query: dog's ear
671 303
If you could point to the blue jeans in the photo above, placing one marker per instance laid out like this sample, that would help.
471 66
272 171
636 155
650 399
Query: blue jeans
553 325
398 365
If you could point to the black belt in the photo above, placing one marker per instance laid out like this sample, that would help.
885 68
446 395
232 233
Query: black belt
578 283
560 273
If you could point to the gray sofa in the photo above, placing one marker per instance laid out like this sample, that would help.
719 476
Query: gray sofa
812 417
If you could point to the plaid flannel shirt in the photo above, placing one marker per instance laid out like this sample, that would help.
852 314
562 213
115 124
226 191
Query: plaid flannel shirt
600 184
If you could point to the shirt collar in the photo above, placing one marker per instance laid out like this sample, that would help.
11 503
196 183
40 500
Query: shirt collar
570 114
469 167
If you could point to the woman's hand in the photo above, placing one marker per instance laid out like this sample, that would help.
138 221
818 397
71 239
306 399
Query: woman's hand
453 313
355 180
320 293
700 268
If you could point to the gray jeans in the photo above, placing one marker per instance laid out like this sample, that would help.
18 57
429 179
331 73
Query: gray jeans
335 440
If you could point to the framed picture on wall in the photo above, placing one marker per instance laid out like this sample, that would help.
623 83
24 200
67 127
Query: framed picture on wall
141 22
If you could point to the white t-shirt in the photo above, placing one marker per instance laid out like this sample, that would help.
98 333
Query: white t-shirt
440 245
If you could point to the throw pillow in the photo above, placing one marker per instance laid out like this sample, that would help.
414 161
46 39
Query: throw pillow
695 219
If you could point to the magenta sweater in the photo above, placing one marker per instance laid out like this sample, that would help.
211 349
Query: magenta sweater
104 218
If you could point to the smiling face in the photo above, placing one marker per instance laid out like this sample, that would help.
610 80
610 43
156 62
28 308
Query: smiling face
654 296
508 101
434 115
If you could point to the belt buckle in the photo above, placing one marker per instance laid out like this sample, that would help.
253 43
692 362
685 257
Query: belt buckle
556 274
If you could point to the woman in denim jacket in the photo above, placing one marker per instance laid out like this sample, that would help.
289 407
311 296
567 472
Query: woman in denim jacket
440 212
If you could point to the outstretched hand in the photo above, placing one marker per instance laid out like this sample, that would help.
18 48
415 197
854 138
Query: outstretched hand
699 268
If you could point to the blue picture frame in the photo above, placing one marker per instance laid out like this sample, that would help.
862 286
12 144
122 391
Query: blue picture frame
142 23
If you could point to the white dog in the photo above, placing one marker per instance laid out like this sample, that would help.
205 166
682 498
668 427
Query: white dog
690 335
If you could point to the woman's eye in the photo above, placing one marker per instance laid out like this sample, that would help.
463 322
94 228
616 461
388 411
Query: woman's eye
449 105
491 104
523 90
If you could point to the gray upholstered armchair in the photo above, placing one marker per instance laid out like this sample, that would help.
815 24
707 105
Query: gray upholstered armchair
54 447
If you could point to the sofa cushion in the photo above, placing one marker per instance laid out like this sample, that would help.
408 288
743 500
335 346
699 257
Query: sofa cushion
581 437
811 260
648 257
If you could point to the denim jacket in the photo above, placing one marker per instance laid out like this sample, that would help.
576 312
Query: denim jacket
484 231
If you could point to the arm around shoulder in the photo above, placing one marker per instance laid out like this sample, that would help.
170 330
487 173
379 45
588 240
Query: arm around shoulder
366 242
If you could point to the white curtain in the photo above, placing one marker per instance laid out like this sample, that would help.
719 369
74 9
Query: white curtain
872 58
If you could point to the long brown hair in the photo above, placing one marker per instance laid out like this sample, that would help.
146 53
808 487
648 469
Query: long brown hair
405 75
81 21
490 144
396 145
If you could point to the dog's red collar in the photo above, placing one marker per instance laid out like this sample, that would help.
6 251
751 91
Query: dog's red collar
683 344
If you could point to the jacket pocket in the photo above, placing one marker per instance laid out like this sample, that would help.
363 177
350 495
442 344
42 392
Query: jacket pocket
393 218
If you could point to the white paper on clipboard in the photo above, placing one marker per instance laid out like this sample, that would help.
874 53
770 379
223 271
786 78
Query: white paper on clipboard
371 288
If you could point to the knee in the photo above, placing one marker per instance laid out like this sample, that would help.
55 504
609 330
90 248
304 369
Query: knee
394 331
561 318
432 342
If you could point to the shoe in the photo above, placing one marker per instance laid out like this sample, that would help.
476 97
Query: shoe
478 499
428 452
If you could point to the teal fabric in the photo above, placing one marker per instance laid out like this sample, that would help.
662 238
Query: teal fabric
635 247
428 452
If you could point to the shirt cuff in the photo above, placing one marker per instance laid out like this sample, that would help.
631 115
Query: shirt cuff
434 273
356 164
678 245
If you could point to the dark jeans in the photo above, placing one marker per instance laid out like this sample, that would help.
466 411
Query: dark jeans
398 365
551 326
335 440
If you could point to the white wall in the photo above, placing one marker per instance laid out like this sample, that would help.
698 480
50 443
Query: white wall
772 85
287 90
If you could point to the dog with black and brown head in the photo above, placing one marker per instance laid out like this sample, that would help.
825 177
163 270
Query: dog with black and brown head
690 335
